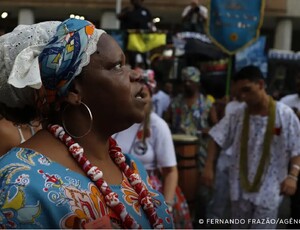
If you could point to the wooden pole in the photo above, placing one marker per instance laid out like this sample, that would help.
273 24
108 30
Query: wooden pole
228 78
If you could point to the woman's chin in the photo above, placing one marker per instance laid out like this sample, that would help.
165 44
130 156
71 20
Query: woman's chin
137 117
140 117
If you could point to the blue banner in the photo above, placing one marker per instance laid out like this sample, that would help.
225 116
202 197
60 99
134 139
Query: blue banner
253 55
234 24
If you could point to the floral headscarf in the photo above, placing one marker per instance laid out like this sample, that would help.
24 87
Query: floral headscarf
190 73
65 55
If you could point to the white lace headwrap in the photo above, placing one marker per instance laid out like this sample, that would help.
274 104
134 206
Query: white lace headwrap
19 66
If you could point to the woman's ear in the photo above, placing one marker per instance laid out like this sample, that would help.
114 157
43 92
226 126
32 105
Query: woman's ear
74 94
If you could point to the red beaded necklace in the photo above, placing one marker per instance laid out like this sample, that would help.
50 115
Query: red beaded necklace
95 174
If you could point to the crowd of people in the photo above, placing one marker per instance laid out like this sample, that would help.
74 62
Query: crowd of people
138 17
88 138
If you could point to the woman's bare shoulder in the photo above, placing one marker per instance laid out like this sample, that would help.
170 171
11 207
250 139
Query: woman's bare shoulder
46 144
9 136
42 142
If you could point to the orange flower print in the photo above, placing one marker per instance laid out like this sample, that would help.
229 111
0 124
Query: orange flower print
149 183
134 167
87 205
136 170
130 196
89 29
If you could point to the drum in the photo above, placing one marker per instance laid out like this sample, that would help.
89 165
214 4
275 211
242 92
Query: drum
186 148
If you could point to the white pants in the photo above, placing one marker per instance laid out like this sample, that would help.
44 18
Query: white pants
252 215
219 206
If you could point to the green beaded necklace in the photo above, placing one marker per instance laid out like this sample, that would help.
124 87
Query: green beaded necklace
245 183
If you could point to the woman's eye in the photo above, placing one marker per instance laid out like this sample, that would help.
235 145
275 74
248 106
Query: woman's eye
118 66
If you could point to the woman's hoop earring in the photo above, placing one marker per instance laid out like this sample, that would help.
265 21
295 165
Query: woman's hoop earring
91 121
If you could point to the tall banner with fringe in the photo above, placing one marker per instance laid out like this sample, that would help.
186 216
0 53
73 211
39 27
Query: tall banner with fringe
253 55
234 24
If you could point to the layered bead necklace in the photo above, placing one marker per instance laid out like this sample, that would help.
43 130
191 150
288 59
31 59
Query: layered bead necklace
96 175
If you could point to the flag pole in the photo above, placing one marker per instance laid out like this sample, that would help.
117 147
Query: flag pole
118 10
229 73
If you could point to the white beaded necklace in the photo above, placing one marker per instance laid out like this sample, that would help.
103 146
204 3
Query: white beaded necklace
96 175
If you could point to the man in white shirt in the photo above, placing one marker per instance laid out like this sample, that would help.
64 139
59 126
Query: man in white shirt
219 207
264 135
194 17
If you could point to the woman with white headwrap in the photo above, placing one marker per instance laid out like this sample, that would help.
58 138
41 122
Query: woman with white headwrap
71 174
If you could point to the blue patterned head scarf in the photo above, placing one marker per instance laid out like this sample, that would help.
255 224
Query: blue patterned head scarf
190 73
66 54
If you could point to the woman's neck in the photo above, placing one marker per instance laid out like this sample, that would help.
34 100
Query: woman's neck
95 146
94 142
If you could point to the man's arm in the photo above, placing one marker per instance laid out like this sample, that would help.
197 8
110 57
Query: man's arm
289 185
295 166
207 176
297 112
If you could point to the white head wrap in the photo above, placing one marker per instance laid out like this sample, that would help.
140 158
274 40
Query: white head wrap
18 57
19 65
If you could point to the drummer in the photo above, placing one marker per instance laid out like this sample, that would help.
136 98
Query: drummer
192 113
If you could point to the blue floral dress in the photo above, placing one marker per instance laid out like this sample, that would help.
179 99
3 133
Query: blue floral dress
39 193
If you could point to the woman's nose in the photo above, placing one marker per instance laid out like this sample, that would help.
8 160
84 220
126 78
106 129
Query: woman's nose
135 75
